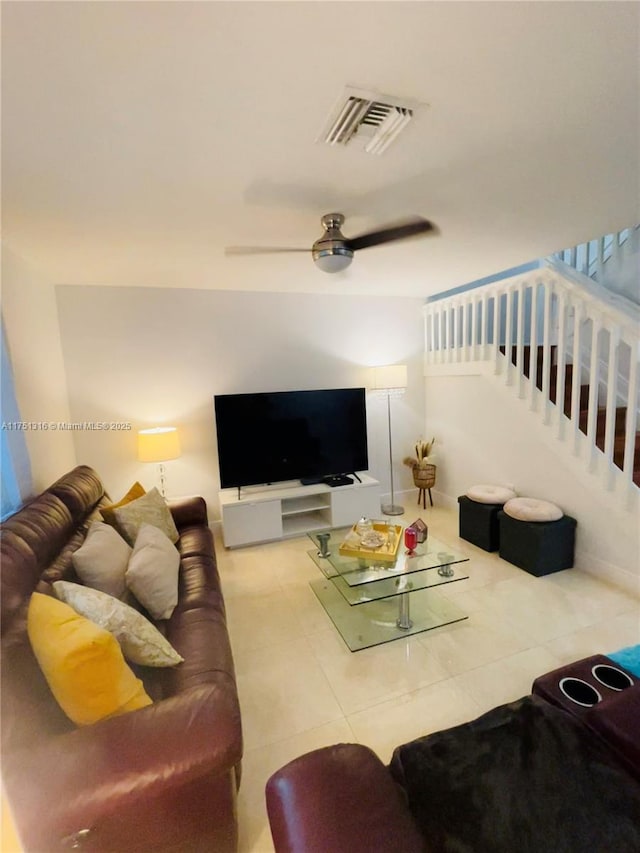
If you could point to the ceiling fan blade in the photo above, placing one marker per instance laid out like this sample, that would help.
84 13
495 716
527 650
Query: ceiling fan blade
260 250
401 231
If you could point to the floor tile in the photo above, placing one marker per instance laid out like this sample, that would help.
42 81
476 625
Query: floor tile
506 679
365 678
538 610
592 599
604 637
283 691
477 641
266 618
301 688
438 706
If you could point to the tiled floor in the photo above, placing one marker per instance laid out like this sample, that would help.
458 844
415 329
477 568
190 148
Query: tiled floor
301 688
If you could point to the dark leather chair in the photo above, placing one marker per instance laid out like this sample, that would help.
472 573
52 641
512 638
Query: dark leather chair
524 776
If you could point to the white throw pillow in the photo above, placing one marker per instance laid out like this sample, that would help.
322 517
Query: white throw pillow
152 573
149 509
532 509
139 640
101 561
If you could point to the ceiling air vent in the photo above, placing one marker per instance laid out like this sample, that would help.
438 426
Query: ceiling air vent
371 118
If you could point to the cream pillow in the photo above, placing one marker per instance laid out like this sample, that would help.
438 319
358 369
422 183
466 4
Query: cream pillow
489 494
101 561
532 509
149 509
136 491
140 641
152 573
82 663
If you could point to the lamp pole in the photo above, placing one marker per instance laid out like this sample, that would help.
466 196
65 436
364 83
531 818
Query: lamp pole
392 508
391 380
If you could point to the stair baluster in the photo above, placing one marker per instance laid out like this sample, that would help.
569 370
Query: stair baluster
566 321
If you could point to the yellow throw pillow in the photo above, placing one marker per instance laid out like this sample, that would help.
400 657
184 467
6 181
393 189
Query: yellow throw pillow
82 663
136 491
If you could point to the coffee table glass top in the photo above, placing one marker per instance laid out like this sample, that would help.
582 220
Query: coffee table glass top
354 571
399 598
378 622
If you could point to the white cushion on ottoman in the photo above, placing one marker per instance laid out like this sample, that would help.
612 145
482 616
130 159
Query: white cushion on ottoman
532 509
484 494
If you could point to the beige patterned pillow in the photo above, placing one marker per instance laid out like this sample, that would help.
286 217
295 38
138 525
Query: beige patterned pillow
149 509
152 573
139 640
101 561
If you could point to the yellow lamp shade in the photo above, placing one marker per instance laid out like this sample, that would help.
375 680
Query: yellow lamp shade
390 376
158 444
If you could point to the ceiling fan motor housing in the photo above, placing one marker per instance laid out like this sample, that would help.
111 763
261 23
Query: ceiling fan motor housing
331 252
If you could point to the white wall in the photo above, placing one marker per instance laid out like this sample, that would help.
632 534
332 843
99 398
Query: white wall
486 435
33 340
154 356
621 272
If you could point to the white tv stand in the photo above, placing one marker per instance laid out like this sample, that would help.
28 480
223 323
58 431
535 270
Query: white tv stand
267 513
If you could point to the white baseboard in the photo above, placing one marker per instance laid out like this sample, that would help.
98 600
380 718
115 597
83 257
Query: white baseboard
627 581
585 561
407 499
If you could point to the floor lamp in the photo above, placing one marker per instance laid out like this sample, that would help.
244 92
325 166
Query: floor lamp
159 444
392 380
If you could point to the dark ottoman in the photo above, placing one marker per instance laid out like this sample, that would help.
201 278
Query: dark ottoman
478 523
538 547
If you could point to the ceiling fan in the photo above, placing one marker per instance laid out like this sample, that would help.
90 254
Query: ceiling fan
333 251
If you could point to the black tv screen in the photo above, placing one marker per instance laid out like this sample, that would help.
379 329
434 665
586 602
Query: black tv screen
290 435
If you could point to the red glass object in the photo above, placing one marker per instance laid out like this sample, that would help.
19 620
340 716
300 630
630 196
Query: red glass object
410 539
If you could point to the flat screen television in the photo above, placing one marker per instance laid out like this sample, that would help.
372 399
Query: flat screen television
290 435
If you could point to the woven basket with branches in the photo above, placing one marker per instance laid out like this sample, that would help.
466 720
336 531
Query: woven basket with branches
422 467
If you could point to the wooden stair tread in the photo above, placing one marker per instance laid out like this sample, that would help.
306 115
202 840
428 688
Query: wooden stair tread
619 439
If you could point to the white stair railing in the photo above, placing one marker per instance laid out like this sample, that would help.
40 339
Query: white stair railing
590 257
539 331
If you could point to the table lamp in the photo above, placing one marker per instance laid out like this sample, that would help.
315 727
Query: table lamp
159 444
391 380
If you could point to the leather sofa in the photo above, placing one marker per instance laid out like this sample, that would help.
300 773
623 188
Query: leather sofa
540 774
162 778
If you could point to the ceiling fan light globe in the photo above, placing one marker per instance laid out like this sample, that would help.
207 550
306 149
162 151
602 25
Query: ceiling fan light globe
334 259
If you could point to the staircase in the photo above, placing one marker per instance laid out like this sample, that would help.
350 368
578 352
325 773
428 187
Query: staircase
581 342
620 418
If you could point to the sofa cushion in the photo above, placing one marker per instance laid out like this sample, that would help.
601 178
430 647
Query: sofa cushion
140 641
82 663
102 559
149 509
199 585
107 512
202 638
196 542
152 573
79 490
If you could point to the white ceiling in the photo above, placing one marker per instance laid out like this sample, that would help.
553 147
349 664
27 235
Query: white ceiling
139 139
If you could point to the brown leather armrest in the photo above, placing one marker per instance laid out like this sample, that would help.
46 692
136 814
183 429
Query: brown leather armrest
88 774
188 512
341 799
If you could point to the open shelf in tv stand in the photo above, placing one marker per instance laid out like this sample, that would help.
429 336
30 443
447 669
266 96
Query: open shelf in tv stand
268 513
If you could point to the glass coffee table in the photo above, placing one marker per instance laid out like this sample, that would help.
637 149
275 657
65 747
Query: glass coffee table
372 601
